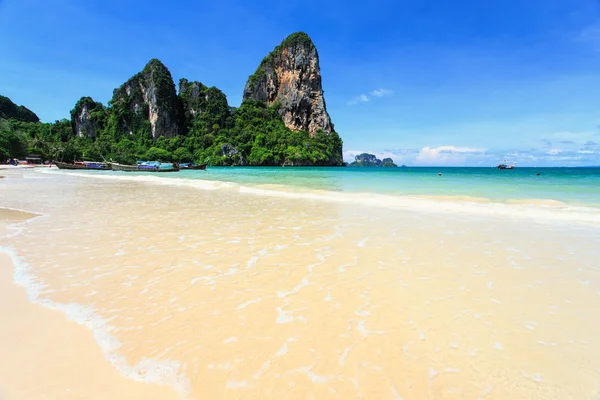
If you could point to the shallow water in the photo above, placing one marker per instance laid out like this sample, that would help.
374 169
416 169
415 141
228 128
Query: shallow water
241 291
570 185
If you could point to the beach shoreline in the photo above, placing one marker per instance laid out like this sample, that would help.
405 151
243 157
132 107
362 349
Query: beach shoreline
45 354
256 296
534 209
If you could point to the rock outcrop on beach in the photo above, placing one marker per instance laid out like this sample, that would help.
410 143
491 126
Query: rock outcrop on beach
370 160
87 117
148 96
291 77
9 110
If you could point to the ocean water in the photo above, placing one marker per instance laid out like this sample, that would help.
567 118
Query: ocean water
324 283
577 186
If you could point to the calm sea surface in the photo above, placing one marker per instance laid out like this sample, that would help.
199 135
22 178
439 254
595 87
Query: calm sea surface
569 185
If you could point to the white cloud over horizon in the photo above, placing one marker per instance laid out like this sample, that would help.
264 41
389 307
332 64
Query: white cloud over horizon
447 155
553 151
434 156
537 149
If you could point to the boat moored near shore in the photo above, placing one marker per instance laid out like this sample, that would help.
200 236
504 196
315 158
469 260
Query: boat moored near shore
89 165
146 167
188 166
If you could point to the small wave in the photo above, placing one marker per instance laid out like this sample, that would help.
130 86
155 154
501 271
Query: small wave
17 214
17 218
537 209
164 372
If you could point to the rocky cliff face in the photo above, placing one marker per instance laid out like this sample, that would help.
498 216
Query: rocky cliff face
9 110
290 76
191 95
199 101
149 95
87 117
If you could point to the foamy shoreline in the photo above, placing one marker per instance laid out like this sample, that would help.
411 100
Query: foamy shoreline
537 210
231 294
52 354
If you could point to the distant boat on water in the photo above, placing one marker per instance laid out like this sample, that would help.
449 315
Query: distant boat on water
90 165
506 166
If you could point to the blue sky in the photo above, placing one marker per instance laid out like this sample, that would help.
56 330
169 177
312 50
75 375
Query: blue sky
424 82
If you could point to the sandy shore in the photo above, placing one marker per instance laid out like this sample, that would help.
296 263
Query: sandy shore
223 294
47 356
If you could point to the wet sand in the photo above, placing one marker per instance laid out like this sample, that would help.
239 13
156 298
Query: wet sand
222 294
47 356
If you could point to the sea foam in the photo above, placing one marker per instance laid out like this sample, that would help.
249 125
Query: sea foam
164 372
537 211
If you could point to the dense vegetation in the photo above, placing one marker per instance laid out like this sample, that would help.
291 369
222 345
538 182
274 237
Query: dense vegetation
54 141
207 129
9 110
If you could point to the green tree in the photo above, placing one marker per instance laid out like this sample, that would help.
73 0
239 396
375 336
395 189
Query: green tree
182 155
156 154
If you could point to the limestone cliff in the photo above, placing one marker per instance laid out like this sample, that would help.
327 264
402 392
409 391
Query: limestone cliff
9 110
200 102
291 77
148 96
87 117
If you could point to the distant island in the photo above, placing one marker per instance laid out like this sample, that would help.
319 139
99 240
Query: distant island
282 119
369 160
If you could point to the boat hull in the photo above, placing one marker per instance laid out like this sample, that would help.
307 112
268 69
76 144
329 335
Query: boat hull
200 167
136 168
63 165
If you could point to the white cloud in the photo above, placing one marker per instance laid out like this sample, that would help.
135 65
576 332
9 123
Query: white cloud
554 152
363 98
436 156
474 156
381 92
447 155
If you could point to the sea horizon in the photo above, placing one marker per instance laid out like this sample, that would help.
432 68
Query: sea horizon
357 200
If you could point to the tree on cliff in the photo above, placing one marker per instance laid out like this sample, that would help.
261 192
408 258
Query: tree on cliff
280 121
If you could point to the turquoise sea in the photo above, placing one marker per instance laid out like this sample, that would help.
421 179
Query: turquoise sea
574 186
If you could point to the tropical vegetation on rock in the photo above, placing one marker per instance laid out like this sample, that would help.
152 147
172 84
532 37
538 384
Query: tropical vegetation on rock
147 118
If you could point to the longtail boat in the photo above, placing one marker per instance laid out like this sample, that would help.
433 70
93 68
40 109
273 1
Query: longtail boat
89 165
192 166
145 167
